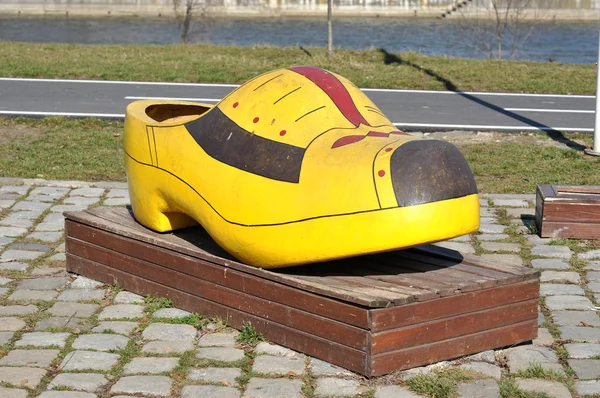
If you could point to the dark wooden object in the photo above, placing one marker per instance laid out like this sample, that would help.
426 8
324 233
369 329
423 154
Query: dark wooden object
372 314
568 211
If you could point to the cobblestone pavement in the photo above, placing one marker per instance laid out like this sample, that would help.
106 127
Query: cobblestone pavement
67 336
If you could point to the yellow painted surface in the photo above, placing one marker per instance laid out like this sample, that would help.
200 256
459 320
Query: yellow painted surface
343 204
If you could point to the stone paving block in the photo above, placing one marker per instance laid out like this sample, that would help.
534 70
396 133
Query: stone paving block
5 241
509 259
560 289
79 381
582 350
521 213
23 377
88 192
29 358
67 394
274 388
462 238
58 257
557 303
81 282
56 192
110 185
491 228
510 202
269 364
116 202
534 240
499 246
491 237
12 393
331 386
560 276
49 237
48 271
4 281
209 392
17 309
80 201
544 338
552 251
594 287
575 318
589 387
147 385
593 254
215 375
18 189
120 327
100 342
593 266
5 337
77 310
585 368
479 389
123 311
11 324
167 331
92 360
225 354
117 193
394 392
33 295
219 339
485 368
16 222
168 347
3 290
459 247
43 283
74 324
31 206
550 263
321 368
64 208
124 297
13 266
171 313
520 358
27 214
37 247
583 334
554 389
274 349
50 227
150 365
43 339
82 295
15 255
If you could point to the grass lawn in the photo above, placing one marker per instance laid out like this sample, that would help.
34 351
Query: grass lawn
59 148
234 64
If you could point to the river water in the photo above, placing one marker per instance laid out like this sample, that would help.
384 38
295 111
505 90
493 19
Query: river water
572 42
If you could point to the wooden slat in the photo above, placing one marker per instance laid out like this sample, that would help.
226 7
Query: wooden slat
396 317
587 189
453 348
280 313
566 229
291 337
231 278
454 326
572 212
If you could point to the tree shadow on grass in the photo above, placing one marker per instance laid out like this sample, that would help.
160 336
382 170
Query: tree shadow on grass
389 58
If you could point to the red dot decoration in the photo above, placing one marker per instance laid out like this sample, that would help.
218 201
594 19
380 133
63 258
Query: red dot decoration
388 149
235 104
282 133
381 173
256 120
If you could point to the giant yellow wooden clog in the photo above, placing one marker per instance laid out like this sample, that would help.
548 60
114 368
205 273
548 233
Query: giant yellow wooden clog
295 166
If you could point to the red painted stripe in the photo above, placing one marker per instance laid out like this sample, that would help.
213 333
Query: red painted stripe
335 90
347 140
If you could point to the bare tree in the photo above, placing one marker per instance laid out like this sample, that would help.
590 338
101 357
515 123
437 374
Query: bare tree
496 26
190 16
329 31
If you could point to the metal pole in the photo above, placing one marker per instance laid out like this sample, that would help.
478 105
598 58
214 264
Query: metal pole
596 148
329 31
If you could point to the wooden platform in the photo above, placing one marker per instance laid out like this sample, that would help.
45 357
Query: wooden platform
372 314
568 211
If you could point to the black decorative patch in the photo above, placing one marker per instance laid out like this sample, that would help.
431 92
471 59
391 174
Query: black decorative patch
222 139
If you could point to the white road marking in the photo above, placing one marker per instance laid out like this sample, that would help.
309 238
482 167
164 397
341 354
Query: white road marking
548 110
74 114
486 127
237 85
174 99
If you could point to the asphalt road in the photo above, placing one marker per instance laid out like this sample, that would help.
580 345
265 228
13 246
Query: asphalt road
411 110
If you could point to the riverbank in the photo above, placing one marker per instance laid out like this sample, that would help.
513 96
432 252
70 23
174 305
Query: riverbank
95 9
376 68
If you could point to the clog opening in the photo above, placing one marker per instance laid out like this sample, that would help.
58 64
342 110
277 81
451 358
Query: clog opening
175 112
